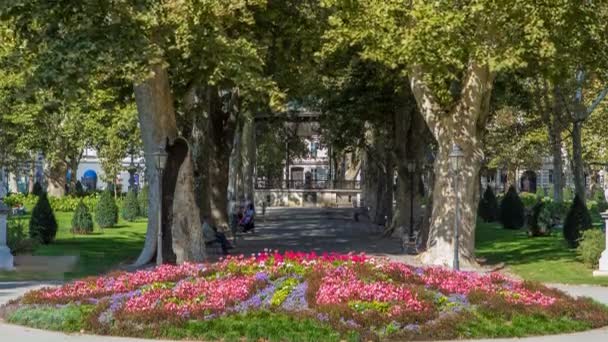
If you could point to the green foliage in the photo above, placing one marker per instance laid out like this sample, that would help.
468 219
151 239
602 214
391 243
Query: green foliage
600 199
591 245
69 318
541 220
512 210
37 191
142 198
578 220
106 213
488 206
568 194
253 326
283 291
130 207
528 199
17 239
79 189
43 225
540 192
82 221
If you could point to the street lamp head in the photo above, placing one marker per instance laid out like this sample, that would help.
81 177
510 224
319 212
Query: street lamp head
160 158
456 157
411 165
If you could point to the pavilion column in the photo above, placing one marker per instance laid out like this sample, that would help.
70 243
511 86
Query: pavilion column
603 269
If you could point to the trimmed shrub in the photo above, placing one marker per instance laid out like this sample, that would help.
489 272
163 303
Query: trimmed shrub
488 206
143 201
512 210
106 213
578 219
591 245
130 207
37 191
43 225
82 221
600 199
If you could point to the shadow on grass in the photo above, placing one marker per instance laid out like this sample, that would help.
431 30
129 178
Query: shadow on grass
514 247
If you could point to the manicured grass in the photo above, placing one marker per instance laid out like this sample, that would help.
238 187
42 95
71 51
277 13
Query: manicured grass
544 259
69 318
98 252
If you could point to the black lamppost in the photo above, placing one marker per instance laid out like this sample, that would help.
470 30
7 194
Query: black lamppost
411 169
160 160
456 157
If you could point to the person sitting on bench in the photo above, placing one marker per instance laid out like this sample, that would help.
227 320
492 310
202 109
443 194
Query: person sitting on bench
211 235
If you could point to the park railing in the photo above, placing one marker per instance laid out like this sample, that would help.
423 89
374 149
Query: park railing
265 184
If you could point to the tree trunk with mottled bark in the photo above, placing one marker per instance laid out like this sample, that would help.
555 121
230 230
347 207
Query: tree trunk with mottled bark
464 125
578 166
180 222
248 157
55 174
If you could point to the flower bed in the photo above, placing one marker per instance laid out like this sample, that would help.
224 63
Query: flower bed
343 295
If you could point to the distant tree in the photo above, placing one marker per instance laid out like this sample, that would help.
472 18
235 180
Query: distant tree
512 210
130 207
106 214
578 219
43 225
488 207
82 221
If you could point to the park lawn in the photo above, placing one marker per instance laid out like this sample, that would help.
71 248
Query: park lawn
98 252
544 259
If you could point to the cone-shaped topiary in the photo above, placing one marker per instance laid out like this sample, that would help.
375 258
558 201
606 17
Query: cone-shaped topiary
599 197
106 213
143 202
43 225
512 210
82 221
79 189
37 190
130 207
578 219
488 206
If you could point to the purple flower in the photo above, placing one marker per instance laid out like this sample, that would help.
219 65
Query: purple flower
260 299
262 276
412 327
323 317
296 300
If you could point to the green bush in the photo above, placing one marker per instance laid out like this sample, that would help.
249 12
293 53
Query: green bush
79 189
143 201
488 206
578 219
540 192
82 221
106 214
130 207
540 222
37 191
17 239
568 194
512 210
591 245
600 199
43 225
528 199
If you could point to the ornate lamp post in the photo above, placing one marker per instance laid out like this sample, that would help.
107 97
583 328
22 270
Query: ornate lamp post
6 258
411 169
456 157
160 160
603 269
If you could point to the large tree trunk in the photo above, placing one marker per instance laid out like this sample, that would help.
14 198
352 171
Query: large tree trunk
223 112
56 178
32 177
578 166
463 125
248 157
180 216
555 137
234 188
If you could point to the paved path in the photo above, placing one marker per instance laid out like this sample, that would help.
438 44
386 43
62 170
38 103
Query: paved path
303 230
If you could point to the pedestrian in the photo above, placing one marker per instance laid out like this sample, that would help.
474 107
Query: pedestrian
211 235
